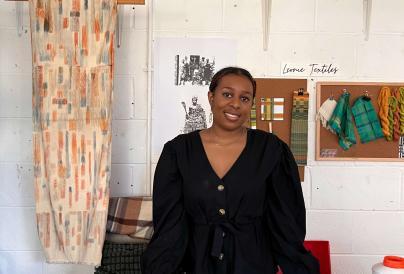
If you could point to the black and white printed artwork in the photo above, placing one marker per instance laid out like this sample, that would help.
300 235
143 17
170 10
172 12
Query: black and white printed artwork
195 116
194 70
183 68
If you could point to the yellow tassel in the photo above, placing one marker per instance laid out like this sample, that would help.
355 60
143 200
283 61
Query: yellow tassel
383 101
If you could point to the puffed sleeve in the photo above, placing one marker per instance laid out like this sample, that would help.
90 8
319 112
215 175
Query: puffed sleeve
286 217
167 247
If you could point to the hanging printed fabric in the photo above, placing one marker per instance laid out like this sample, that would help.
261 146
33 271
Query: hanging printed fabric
73 59
298 136
272 109
341 122
366 120
253 116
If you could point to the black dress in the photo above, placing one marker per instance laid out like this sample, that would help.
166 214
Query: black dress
248 222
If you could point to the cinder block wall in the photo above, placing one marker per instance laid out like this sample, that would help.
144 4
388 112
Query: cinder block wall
357 206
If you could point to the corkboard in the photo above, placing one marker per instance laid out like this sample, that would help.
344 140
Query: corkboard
279 88
378 150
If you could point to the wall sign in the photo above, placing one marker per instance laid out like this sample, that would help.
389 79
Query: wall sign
310 69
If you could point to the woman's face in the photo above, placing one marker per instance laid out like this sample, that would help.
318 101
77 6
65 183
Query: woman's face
231 101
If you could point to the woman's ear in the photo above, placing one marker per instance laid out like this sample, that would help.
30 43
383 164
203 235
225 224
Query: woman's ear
210 97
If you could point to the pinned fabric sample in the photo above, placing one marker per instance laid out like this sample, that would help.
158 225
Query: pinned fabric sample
395 109
366 120
401 109
383 101
73 69
341 122
325 112
298 136
401 147
272 109
253 116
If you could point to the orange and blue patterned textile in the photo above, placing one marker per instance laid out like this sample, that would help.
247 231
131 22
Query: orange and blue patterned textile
73 62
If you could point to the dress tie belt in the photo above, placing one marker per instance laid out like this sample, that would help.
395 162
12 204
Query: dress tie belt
222 230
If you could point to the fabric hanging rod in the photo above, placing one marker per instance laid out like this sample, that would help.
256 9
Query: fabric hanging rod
120 2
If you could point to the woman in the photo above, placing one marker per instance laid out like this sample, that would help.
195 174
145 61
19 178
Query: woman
227 199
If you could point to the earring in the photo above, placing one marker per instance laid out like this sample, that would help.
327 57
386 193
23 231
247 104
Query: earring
210 117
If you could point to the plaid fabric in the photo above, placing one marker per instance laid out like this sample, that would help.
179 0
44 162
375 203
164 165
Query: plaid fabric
272 108
253 116
121 258
298 136
341 122
366 120
131 216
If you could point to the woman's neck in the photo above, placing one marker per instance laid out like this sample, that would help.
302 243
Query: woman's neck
221 136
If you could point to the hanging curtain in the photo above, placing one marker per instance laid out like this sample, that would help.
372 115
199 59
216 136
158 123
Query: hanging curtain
72 53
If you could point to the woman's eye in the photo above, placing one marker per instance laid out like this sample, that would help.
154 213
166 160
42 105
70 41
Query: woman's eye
245 99
226 94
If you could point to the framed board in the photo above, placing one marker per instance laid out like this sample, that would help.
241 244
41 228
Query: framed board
327 147
279 88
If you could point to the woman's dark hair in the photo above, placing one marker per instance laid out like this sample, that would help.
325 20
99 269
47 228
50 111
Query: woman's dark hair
231 70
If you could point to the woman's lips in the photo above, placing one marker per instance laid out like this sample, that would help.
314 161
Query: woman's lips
231 117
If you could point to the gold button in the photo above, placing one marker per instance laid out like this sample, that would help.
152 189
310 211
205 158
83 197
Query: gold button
220 187
222 211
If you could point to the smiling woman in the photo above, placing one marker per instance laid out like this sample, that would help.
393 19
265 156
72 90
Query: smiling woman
227 199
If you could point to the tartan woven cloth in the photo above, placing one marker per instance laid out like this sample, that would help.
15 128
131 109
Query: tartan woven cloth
253 116
121 258
131 216
73 68
366 120
272 108
298 136
341 122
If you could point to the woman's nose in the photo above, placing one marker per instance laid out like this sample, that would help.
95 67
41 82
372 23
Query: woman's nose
235 102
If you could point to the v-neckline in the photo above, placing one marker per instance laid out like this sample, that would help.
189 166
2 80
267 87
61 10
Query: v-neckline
205 155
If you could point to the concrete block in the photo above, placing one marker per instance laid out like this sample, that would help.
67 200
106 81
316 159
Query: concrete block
16 140
335 227
338 16
292 16
128 180
203 15
18 231
128 141
387 17
378 233
68 269
381 57
15 51
242 15
17 185
124 101
16 95
349 264
170 15
355 188
8 15
131 57
21 262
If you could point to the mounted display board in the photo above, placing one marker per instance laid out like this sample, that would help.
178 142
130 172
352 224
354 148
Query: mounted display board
281 121
327 147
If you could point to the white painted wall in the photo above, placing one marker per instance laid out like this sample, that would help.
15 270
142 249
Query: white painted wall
357 206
